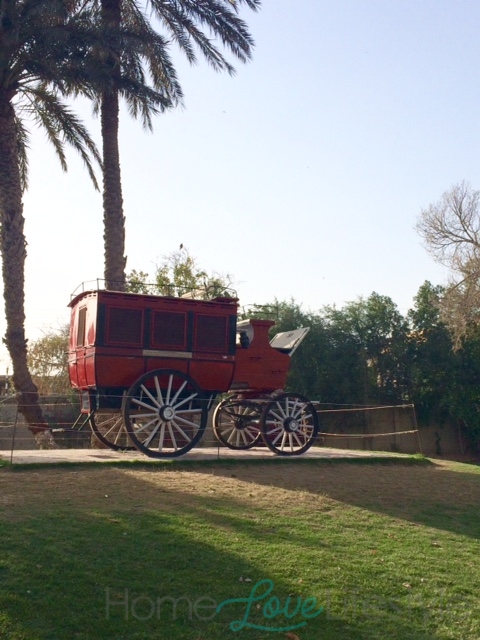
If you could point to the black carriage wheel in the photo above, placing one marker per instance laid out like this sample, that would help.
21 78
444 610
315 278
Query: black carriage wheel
289 424
110 430
236 422
165 413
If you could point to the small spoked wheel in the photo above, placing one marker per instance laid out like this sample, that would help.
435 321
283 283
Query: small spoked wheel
236 422
110 430
165 413
289 424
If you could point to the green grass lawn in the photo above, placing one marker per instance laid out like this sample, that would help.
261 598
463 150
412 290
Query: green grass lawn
126 553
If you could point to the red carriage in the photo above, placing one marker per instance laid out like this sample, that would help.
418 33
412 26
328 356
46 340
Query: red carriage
149 368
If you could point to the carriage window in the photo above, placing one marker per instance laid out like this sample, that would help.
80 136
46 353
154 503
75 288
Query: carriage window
169 329
82 318
124 326
211 333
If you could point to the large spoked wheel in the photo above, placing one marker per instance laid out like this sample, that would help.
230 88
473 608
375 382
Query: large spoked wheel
236 422
110 430
165 413
289 424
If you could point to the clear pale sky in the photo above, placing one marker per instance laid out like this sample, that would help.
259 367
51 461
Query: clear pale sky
302 176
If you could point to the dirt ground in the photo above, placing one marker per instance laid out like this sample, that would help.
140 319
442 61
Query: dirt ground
396 489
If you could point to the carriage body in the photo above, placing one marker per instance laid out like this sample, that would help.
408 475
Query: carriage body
148 368
117 337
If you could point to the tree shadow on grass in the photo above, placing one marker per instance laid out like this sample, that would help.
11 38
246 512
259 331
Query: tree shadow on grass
427 494
91 561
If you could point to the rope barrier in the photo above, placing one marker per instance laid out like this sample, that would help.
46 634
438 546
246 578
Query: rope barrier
388 406
366 435
71 431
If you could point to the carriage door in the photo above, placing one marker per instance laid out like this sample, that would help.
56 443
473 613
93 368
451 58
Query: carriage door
80 347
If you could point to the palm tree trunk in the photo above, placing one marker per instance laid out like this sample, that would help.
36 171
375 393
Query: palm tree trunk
113 218
13 249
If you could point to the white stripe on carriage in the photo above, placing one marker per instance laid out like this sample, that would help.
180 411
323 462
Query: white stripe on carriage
156 353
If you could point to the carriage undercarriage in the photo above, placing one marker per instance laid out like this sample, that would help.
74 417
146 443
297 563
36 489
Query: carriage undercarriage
164 424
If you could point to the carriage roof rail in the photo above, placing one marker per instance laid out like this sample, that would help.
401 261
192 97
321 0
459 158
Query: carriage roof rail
87 285
152 288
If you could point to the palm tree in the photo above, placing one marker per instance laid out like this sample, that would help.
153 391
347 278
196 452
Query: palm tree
185 22
34 43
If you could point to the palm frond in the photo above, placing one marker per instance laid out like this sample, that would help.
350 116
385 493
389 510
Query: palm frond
185 19
63 126
22 146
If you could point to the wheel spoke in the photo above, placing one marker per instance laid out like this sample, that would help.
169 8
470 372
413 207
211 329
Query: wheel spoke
169 389
233 432
140 403
162 437
297 439
109 429
152 397
139 429
187 422
283 412
181 431
159 391
153 434
251 434
174 399
280 435
145 415
197 411
118 437
170 430
182 402
278 417
288 441
297 410
274 426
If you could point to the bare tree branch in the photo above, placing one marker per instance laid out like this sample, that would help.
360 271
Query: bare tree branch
450 229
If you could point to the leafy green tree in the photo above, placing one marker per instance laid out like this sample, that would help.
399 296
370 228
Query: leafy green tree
36 41
353 355
48 362
444 379
431 360
379 332
179 274
138 282
463 401
189 24
345 372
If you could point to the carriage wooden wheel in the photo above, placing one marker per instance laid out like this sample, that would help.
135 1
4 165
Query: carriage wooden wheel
236 422
165 413
110 430
289 424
